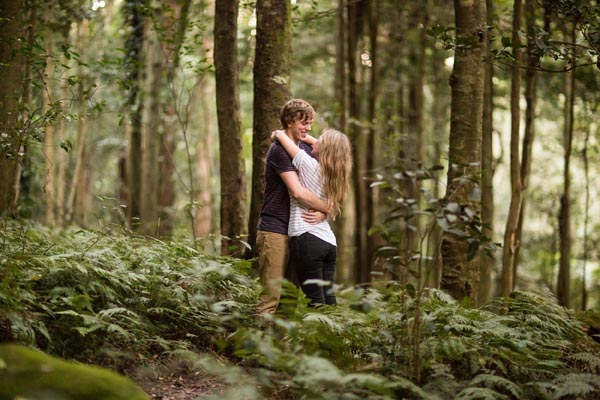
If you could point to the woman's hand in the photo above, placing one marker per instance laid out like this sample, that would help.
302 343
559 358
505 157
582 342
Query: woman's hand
274 134
313 217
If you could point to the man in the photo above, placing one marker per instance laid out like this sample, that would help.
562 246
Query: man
281 181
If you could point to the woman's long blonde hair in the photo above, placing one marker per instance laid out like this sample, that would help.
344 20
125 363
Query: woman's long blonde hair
335 160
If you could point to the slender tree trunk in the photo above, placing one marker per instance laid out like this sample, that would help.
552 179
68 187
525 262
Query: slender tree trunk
531 74
564 219
412 145
49 144
341 77
272 74
80 187
439 110
174 24
232 170
76 186
134 107
355 24
586 253
62 157
151 137
12 67
23 172
487 259
510 243
202 220
371 193
458 276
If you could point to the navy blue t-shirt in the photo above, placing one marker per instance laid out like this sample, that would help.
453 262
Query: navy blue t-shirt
275 212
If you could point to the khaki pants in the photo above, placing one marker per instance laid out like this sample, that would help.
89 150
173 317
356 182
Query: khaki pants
273 252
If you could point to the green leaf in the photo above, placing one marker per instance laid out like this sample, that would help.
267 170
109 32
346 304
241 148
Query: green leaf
410 289
66 145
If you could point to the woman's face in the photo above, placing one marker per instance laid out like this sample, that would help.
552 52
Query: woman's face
316 147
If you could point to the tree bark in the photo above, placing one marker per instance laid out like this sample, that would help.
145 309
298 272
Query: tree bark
12 68
152 137
231 161
586 221
341 77
272 73
49 143
466 80
531 76
133 159
564 218
355 27
487 259
412 143
374 71
202 219
440 110
75 208
510 244
62 156
174 24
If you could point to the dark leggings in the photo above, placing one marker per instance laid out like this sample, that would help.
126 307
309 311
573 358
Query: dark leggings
314 258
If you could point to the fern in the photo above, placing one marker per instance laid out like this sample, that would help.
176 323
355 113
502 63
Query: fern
579 386
93 295
475 393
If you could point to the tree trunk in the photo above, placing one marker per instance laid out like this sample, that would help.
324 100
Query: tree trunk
466 80
49 143
487 259
371 193
151 137
77 184
412 145
23 172
12 68
62 156
272 73
174 23
510 232
439 116
586 220
202 219
531 74
133 159
564 219
342 222
231 161
355 24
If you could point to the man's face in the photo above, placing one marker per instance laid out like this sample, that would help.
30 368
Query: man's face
300 129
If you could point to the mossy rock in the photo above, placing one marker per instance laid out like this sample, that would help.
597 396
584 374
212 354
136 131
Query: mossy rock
29 374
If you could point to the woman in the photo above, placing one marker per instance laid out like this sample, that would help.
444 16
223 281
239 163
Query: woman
313 246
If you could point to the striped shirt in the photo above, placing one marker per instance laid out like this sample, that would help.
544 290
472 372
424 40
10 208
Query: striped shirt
275 211
309 174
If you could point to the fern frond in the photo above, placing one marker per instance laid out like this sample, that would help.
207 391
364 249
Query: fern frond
577 386
499 384
475 393
587 362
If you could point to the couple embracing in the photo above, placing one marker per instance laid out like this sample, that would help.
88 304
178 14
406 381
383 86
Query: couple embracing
306 182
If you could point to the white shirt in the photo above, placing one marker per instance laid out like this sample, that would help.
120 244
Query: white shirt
309 174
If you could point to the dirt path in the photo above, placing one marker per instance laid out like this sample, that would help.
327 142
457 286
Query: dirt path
181 385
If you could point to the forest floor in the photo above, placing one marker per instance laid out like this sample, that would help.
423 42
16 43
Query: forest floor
180 384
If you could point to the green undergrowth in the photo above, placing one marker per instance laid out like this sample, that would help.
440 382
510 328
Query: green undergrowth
112 298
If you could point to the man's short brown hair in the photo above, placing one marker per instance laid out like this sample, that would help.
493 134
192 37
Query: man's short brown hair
296 110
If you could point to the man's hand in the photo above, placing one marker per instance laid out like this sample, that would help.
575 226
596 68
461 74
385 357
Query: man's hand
313 217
